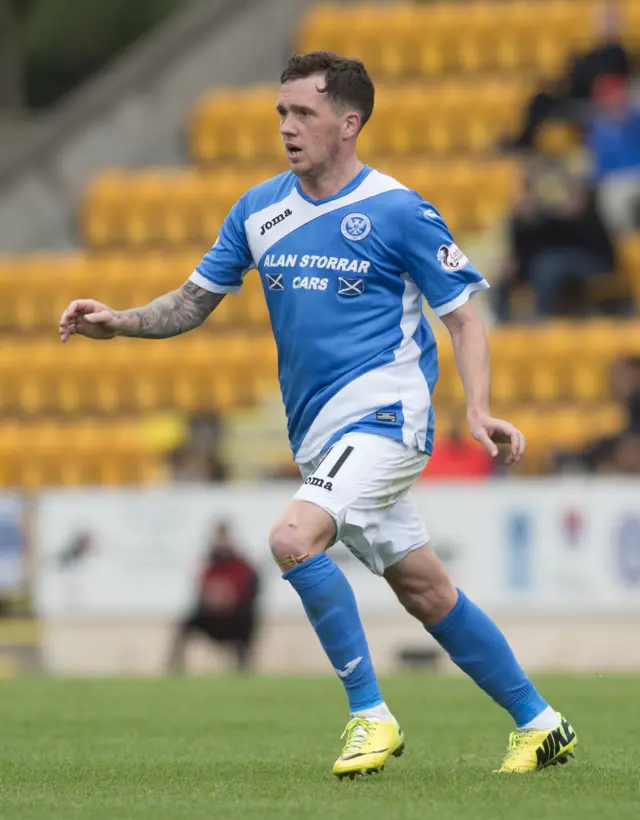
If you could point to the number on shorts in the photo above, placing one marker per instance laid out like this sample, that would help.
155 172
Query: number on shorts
333 472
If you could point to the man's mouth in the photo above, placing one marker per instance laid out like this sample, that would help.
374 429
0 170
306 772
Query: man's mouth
293 151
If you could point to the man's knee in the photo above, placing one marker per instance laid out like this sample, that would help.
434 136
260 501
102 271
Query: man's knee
429 603
288 546
304 531
423 587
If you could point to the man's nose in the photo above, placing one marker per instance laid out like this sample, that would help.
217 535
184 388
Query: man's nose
287 127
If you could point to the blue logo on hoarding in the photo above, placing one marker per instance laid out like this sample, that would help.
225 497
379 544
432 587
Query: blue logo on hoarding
627 551
519 550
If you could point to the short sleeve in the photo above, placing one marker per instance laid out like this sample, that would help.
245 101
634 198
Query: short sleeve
435 263
222 268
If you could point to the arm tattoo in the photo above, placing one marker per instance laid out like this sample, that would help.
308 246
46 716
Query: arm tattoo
172 314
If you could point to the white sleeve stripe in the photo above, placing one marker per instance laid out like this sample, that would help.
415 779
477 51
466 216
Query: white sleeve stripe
463 298
212 287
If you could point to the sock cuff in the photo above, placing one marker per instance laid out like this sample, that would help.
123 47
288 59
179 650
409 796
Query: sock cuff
450 620
310 572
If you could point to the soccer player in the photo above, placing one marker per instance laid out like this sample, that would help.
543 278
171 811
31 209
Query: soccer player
345 255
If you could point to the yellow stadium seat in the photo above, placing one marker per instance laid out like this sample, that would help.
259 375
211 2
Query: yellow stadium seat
505 385
589 382
543 383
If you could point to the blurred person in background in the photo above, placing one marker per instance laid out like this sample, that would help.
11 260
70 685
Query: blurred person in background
225 609
198 458
187 464
457 456
568 97
619 453
613 138
557 241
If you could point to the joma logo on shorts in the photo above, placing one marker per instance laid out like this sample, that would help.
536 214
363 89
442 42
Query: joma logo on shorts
275 221
319 482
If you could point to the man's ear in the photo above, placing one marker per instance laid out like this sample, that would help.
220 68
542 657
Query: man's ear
351 125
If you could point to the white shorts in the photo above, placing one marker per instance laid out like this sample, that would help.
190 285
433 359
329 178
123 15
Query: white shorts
363 482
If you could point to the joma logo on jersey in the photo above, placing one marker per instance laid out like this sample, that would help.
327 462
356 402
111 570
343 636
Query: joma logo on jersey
275 221
319 482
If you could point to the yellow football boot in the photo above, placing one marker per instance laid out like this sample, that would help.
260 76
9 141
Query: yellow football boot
367 746
532 750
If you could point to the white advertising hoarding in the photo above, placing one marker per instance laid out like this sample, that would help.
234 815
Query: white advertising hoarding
565 546
12 510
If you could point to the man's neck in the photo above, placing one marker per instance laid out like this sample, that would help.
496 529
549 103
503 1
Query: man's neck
331 182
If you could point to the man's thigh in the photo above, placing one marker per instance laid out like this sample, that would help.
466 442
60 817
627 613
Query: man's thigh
362 483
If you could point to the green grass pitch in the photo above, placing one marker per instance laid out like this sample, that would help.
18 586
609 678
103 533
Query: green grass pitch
227 748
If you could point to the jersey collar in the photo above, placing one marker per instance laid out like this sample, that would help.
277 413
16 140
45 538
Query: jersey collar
348 188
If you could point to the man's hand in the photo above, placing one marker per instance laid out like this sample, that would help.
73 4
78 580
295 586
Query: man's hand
87 317
490 432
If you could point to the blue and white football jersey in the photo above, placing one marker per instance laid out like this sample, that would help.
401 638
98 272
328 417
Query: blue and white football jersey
343 279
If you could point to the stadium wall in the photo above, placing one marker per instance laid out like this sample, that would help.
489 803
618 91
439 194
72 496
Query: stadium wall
135 113
556 562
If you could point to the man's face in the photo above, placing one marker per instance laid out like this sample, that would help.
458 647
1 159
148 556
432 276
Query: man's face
311 127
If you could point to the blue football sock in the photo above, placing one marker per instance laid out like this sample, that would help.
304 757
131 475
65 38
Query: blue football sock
331 607
479 648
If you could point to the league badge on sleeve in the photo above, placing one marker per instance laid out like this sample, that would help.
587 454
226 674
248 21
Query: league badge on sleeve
451 257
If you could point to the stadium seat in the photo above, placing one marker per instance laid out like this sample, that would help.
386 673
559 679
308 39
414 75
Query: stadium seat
403 39
471 117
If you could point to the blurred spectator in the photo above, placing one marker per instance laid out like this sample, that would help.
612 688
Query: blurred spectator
567 97
557 240
619 454
225 607
457 456
189 465
626 455
198 459
613 138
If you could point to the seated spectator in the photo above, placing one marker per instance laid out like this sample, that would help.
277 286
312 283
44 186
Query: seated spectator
618 454
198 459
187 465
626 457
613 137
225 607
567 97
555 244
458 456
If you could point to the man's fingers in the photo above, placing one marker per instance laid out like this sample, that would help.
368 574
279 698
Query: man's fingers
98 317
75 309
516 449
485 440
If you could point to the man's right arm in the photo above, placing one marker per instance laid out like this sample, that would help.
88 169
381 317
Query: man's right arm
220 272
169 315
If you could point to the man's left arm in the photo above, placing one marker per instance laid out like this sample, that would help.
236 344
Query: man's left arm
471 350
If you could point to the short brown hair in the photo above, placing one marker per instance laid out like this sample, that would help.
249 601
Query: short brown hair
347 81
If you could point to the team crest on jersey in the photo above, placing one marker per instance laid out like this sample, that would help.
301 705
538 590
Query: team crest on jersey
451 257
350 287
356 227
